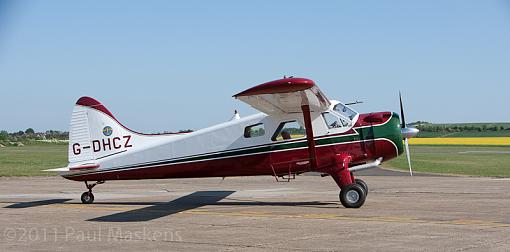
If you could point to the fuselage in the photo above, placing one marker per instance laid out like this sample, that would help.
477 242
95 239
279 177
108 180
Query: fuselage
249 146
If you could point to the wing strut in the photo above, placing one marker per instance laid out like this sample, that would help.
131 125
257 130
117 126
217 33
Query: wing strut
309 137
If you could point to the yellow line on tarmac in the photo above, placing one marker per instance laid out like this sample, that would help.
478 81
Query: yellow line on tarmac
387 219
397 219
93 207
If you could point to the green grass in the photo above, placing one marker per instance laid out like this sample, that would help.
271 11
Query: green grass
488 124
30 160
451 160
501 133
460 130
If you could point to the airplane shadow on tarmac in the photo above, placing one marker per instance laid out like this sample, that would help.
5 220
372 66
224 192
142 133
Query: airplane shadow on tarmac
37 203
188 202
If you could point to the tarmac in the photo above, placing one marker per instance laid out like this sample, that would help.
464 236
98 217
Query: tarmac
401 213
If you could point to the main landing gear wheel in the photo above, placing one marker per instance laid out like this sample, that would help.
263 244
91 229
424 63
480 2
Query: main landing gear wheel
87 198
352 196
362 184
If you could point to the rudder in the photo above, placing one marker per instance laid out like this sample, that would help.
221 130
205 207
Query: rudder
95 133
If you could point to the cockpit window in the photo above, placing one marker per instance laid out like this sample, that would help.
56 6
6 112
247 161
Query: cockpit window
345 111
334 121
289 130
255 130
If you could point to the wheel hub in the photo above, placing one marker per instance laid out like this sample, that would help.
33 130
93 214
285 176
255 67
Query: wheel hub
352 196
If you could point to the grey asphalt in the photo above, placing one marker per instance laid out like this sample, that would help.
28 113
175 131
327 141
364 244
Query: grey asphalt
402 213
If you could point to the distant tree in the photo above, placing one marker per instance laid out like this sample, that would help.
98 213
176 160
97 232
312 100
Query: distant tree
4 135
29 131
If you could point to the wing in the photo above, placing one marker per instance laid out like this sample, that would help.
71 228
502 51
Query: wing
285 96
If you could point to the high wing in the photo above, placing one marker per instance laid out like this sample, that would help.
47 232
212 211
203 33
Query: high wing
285 96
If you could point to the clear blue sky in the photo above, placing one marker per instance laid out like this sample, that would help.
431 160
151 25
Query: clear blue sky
169 65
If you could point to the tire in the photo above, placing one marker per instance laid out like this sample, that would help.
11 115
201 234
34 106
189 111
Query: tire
87 198
362 184
352 196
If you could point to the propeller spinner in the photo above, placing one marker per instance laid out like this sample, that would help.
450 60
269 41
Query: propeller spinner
407 132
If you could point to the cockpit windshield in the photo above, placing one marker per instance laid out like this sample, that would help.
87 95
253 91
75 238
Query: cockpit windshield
345 111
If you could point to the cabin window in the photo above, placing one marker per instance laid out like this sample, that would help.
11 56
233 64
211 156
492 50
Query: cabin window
289 130
255 130
345 111
333 121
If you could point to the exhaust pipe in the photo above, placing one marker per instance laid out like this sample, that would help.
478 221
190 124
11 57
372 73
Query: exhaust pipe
370 165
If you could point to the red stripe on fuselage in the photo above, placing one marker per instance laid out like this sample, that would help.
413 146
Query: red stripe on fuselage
252 165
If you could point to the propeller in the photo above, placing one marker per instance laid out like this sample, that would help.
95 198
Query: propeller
407 132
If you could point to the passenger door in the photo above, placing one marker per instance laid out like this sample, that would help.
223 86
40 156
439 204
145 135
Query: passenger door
289 152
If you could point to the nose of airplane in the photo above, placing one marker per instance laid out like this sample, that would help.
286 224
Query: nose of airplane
409 132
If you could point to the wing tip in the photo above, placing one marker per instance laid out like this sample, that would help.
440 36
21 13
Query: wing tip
285 85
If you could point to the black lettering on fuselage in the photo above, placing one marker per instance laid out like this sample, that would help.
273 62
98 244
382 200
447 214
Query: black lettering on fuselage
127 145
96 145
115 141
106 144
76 149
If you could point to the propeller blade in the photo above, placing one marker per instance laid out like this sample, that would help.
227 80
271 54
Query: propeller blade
408 154
406 133
403 120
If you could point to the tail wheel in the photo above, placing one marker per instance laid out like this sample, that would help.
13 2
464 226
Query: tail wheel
87 198
362 184
352 196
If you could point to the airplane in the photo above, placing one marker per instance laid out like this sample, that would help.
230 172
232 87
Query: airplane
298 130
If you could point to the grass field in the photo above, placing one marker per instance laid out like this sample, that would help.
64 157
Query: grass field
427 134
492 161
464 130
498 141
30 160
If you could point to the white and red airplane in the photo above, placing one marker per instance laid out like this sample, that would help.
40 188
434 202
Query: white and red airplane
298 131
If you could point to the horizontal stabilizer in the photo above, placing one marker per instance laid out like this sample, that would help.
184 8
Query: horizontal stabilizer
63 169
84 167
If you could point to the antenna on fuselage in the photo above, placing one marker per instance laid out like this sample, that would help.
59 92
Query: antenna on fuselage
353 103
236 116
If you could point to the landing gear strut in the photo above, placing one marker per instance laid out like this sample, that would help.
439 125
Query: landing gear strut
353 192
88 197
